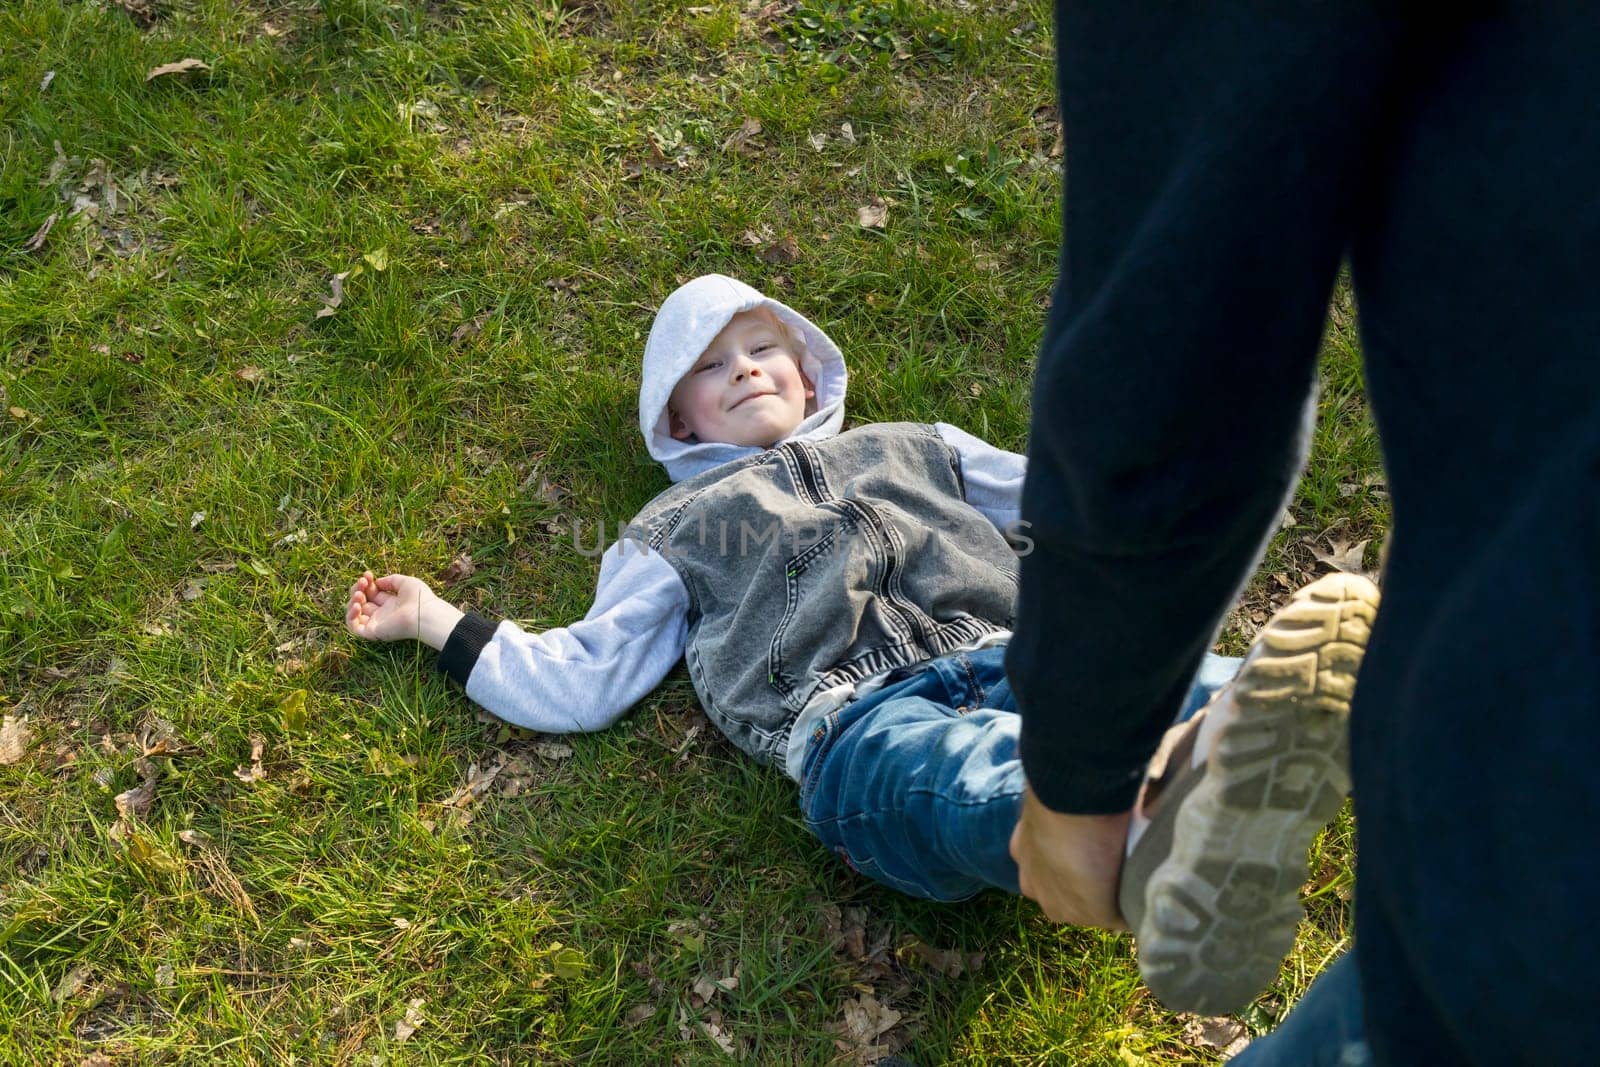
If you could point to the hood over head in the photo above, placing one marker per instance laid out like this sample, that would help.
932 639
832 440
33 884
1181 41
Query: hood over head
688 321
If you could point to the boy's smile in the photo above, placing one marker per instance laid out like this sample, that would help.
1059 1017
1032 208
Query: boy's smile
745 389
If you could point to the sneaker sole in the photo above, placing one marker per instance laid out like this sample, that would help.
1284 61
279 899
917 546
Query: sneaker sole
1221 911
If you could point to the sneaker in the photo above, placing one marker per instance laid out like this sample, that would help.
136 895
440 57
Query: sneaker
1233 798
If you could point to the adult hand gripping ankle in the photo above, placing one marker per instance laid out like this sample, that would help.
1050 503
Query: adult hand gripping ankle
1069 864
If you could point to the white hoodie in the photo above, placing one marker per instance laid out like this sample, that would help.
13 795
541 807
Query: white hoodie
585 676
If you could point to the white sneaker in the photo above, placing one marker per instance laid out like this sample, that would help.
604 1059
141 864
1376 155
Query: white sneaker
1233 799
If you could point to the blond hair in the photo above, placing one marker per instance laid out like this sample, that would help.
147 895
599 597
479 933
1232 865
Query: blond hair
791 336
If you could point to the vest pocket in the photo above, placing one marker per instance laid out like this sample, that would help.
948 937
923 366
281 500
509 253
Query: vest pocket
830 611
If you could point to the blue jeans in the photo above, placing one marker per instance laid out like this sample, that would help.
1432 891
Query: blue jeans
918 784
1324 1029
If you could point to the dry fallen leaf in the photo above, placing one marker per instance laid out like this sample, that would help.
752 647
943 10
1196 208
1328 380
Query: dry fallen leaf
786 250
141 11
460 569
865 1021
478 781
1343 556
639 1013
44 83
740 140
15 736
36 242
182 66
951 963
682 751
407 1026
336 286
135 803
873 215
723 1039
1219 1032
254 772
553 750
517 776
249 375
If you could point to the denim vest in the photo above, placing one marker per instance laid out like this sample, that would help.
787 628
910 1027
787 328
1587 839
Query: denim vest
817 563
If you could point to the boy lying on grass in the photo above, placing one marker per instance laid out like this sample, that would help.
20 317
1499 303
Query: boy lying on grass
843 601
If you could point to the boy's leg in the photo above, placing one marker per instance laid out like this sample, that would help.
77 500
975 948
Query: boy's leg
918 785
1233 799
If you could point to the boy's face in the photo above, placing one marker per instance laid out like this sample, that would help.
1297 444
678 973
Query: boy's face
745 389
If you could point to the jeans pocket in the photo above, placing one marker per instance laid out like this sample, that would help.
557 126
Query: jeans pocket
821 741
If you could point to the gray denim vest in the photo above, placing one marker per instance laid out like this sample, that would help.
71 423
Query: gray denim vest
816 563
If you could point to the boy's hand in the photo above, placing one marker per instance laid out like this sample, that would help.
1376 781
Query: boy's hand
388 608
1069 864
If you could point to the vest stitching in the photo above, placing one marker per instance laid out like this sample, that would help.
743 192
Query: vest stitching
880 587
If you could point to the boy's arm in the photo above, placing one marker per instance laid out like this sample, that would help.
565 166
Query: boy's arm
992 475
584 676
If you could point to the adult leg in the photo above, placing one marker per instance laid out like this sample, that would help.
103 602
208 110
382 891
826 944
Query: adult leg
1324 1029
1213 150
1474 727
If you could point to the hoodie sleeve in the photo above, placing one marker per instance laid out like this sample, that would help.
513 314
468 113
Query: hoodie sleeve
992 475
584 676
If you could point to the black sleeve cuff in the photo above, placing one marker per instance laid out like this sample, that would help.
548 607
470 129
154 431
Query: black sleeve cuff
465 643
1075 789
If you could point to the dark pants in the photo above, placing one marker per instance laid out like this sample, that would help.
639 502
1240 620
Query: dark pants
1223 159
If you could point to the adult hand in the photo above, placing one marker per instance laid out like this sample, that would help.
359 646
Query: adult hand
1068 864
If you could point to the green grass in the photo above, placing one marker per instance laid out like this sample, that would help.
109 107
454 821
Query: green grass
537 177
